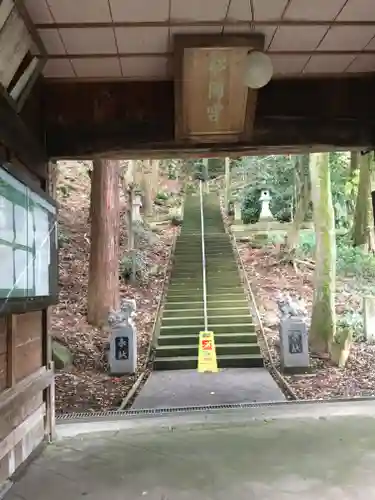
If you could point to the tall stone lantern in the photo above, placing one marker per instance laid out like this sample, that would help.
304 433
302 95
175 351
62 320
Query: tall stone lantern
265 212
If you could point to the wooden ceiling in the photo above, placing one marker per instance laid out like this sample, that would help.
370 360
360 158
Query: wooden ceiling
134 39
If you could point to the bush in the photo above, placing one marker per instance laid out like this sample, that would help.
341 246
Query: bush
176 220
63 239
141 268
351 321
306 245
351 261
162 196
126 267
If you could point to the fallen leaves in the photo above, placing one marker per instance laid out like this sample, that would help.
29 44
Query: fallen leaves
87 386
325 380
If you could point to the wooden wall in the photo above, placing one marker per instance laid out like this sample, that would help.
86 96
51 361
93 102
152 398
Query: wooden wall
85 118
26 380
3 355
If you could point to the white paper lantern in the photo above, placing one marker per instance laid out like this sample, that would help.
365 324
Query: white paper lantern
259 70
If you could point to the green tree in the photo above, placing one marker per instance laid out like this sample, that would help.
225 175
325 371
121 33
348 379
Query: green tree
363 227
323 320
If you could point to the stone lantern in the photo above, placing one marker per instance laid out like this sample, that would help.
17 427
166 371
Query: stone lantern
137 204
265 199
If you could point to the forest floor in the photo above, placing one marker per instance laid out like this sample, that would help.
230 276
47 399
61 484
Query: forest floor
86 385
268 278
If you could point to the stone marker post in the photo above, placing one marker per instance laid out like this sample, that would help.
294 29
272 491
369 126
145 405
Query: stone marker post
237 212
123 340
369 318
294 345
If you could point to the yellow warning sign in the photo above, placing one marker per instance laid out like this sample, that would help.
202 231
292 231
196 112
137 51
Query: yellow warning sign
207 353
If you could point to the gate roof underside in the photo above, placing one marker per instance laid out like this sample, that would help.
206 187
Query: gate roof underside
133 39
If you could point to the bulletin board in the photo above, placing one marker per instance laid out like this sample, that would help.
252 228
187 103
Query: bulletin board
28 244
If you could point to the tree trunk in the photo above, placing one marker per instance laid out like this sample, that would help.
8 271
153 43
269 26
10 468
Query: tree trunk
128 188
206 176
353 162
323 321
301 201
146 185
227 185
103 286
155 164
361 230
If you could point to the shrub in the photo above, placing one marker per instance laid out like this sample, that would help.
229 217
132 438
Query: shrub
63 239
176 220
351 261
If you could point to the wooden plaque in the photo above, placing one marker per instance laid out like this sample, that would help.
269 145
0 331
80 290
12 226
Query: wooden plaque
212 102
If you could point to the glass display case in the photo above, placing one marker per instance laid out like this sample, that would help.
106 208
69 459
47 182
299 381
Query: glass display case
28 245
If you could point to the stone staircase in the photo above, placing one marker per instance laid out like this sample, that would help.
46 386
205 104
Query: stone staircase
228 311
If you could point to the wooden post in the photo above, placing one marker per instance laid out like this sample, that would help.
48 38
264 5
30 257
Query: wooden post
50 403
49 396
11 349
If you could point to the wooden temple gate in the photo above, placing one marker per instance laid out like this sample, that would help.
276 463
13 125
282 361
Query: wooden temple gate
130 78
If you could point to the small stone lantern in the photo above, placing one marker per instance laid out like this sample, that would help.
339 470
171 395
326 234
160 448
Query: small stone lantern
265 199
137 204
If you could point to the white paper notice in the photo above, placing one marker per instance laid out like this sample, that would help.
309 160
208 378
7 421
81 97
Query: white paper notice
20 260
6 268
6 220
21 217
42 244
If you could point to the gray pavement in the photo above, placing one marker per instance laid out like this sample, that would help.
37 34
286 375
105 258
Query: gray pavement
307 452
168 389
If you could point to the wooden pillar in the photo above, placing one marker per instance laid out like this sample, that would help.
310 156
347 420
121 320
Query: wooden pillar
50 420
11 349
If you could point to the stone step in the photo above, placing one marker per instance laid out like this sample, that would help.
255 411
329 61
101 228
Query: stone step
215 327
229 315
192 350
223 361
220 338
212 299
192 313
196 270
212 287
196 304
197 275
214 283
219 320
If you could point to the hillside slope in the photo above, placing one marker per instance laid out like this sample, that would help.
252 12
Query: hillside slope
86 385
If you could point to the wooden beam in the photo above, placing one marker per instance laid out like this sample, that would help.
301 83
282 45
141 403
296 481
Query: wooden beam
26 83
114 119
11 349
15 41
13 399
20 5
6 7
24 78
20 432
16 136
131 55
220 23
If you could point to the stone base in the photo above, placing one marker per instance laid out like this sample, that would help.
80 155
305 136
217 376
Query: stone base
296 370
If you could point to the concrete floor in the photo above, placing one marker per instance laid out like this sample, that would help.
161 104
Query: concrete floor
189 388
282 453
